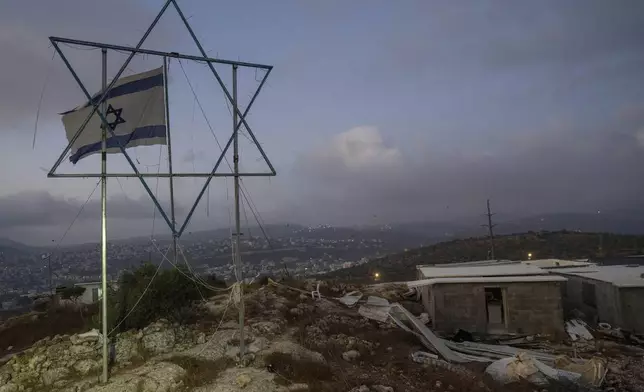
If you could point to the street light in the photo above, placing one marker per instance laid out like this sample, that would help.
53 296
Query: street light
529 256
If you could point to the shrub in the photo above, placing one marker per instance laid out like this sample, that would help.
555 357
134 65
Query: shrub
72 293
168 296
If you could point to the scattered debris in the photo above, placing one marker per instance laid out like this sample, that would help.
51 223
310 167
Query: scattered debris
524 367
435 341
592 372
576 329
375 308
350 299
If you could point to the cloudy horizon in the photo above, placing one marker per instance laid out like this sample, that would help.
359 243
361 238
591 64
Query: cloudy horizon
374 113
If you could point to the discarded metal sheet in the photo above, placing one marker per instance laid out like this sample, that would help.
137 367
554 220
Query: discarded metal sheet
378 313
377 301
437 342
402 325
576 329
496 351
350 299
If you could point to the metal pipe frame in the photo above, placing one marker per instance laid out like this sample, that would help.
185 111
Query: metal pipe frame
168 135
159 175
137 49
104 220
104 120
175 55
223 154
106 125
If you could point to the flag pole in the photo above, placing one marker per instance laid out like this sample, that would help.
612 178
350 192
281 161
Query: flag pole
167 127
104 217
237 255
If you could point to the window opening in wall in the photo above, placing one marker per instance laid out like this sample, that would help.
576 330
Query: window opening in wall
494 306
588 295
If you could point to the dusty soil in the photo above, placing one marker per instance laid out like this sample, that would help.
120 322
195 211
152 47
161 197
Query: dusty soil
384 351
21 332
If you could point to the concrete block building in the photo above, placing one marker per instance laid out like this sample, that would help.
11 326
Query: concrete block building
492 297
607 293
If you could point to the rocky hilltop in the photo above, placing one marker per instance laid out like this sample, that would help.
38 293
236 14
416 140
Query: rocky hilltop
294 343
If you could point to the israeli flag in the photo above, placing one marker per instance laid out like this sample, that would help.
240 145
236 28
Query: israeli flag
135 112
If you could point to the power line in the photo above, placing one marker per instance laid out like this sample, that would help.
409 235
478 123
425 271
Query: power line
42 94
80 210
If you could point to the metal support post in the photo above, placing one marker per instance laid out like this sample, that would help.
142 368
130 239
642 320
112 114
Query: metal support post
167 127
104 218
238 264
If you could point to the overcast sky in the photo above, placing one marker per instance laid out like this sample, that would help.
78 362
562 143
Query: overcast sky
376 111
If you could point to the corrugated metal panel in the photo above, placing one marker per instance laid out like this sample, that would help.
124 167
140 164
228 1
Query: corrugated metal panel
618 275
477 270
490 279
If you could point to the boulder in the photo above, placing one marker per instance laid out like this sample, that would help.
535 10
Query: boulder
92 336
126 347
381 388
158 341
266 328
83 352
86 366
351 355
49 377
10 387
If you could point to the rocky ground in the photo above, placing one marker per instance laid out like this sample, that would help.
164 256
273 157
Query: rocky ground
294 343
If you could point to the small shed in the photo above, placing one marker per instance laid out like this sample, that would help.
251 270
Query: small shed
607 293
498 297
93 292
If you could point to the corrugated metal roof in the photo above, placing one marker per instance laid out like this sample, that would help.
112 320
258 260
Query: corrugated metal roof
618 275
554 263
503 269
490 279
470 263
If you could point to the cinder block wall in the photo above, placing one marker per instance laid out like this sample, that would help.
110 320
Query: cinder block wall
458 306
632 307
535 308
531 307
606 296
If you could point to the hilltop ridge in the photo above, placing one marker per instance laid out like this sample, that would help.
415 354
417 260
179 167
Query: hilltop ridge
560 244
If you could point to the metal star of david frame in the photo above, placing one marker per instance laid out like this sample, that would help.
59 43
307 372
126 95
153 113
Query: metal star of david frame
141 176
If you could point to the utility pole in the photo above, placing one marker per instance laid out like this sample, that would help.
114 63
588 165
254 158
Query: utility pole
490 227
51 290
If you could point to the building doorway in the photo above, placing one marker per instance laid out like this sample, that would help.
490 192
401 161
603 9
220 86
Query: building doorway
495 309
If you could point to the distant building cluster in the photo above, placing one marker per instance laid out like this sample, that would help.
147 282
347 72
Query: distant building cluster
304 252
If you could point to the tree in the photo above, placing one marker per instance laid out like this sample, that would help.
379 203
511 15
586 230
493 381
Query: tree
72 293
142 297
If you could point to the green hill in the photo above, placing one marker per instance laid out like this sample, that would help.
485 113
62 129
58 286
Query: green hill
542 245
